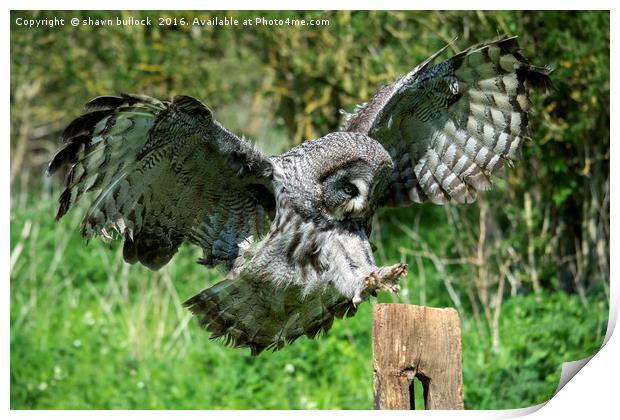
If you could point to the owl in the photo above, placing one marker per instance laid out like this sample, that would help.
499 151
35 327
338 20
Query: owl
291 231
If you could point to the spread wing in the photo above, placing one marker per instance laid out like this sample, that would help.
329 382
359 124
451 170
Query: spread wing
449 126
163 173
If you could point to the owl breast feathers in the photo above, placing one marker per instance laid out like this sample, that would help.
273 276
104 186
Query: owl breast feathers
292 230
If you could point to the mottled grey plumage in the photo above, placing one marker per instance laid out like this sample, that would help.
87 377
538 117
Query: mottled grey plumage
158 168
168 173
449 126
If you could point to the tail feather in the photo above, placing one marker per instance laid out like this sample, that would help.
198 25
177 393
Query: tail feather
248 313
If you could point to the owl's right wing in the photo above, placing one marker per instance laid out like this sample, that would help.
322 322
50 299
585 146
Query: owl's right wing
164 173
449 126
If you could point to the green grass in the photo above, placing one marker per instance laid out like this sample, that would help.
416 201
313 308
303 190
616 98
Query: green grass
90 332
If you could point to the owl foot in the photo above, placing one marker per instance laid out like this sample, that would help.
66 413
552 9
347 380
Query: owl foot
386 278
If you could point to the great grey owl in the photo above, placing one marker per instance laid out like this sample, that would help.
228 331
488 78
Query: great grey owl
292 230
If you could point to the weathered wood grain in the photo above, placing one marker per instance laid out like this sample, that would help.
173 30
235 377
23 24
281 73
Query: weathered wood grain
416 341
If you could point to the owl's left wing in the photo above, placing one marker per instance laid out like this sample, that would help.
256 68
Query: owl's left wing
449 126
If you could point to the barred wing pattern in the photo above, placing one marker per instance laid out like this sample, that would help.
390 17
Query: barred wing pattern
165 173
449 126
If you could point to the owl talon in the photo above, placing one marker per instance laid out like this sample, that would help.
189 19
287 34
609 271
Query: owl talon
357 299
386 278
392 288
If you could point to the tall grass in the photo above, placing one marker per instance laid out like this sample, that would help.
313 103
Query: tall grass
89 331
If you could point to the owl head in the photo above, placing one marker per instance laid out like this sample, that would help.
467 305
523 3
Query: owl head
338 177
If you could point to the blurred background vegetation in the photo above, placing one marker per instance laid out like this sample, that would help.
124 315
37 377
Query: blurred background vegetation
527 266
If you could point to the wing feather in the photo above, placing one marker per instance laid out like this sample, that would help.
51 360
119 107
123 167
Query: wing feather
456 122
164 173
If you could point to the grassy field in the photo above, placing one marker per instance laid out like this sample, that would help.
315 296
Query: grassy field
88 331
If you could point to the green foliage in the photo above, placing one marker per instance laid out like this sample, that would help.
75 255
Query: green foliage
537 335
88 331
527 266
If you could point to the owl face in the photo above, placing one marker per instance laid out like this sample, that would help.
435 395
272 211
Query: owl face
336 178
346 192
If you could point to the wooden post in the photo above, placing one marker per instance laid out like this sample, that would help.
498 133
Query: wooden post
416 341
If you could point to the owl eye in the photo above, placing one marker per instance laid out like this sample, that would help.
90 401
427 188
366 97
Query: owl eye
350 189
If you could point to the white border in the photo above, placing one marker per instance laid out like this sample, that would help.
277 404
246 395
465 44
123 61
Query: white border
593 390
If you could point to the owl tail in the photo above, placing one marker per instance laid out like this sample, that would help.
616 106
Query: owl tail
261 315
